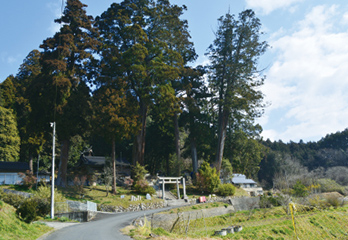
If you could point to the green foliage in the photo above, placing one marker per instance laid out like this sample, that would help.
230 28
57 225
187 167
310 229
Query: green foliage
207 178
226 189
244 152
43 206
11 198
12 228
142 187
268 201
160 231
226 170
138 172
333 201
329 185
300 190
234 55
9 138
77 145
27 211
44 192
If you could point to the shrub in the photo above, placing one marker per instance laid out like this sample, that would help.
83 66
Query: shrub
226 189
333 200
27 211
142 187
12 199
317 202
268 201
300 190
43 206
139 172
207 178
44 192
329 185
28 179
79 182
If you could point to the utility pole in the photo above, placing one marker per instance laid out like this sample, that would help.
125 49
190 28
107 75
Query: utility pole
53 158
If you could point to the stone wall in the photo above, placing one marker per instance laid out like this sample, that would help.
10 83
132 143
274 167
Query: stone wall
166 220
23 194
132 207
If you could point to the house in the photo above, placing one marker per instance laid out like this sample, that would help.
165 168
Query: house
246 184
97 163
9 172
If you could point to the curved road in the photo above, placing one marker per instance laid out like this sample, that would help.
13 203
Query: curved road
103 227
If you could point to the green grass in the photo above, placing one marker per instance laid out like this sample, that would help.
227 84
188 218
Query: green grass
13 228
268 224
195 207
97 194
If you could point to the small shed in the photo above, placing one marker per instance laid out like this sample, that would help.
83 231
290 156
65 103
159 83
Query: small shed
9 172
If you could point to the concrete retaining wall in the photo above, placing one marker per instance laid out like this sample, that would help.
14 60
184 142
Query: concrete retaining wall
84 216
166 220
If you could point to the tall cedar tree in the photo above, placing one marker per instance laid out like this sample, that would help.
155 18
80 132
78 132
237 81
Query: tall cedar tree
114 116
63 93
195 97
233 72
31 134
141 33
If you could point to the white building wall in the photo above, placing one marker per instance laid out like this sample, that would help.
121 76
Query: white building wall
10 178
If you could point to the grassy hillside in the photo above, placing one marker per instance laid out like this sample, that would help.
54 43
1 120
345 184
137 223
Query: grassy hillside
13 228
267 224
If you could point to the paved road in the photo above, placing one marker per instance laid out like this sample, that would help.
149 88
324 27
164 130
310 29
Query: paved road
103 227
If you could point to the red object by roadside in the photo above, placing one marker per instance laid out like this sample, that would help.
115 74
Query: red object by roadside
202 199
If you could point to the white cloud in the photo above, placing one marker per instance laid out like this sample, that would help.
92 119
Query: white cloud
267 6
55 8
11 59
309 78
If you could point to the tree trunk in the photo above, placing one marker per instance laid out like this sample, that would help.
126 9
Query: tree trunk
177 142
31 164
194 157
139 143
63 164
222 127
113 156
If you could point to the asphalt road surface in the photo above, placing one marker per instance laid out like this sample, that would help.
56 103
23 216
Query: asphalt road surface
103 227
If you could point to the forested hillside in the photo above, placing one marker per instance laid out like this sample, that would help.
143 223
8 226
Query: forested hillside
327 158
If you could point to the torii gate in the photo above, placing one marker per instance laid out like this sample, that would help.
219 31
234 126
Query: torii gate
173 180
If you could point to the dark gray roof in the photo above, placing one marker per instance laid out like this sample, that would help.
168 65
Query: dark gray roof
100 161
14 166
94 161
240 179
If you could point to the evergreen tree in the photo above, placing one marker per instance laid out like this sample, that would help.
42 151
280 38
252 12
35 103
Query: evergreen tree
233 73
9 138
141 33
114 117
61 89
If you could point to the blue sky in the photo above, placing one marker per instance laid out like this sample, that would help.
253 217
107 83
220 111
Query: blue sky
306 67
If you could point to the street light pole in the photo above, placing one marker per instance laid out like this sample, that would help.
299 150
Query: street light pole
53 158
